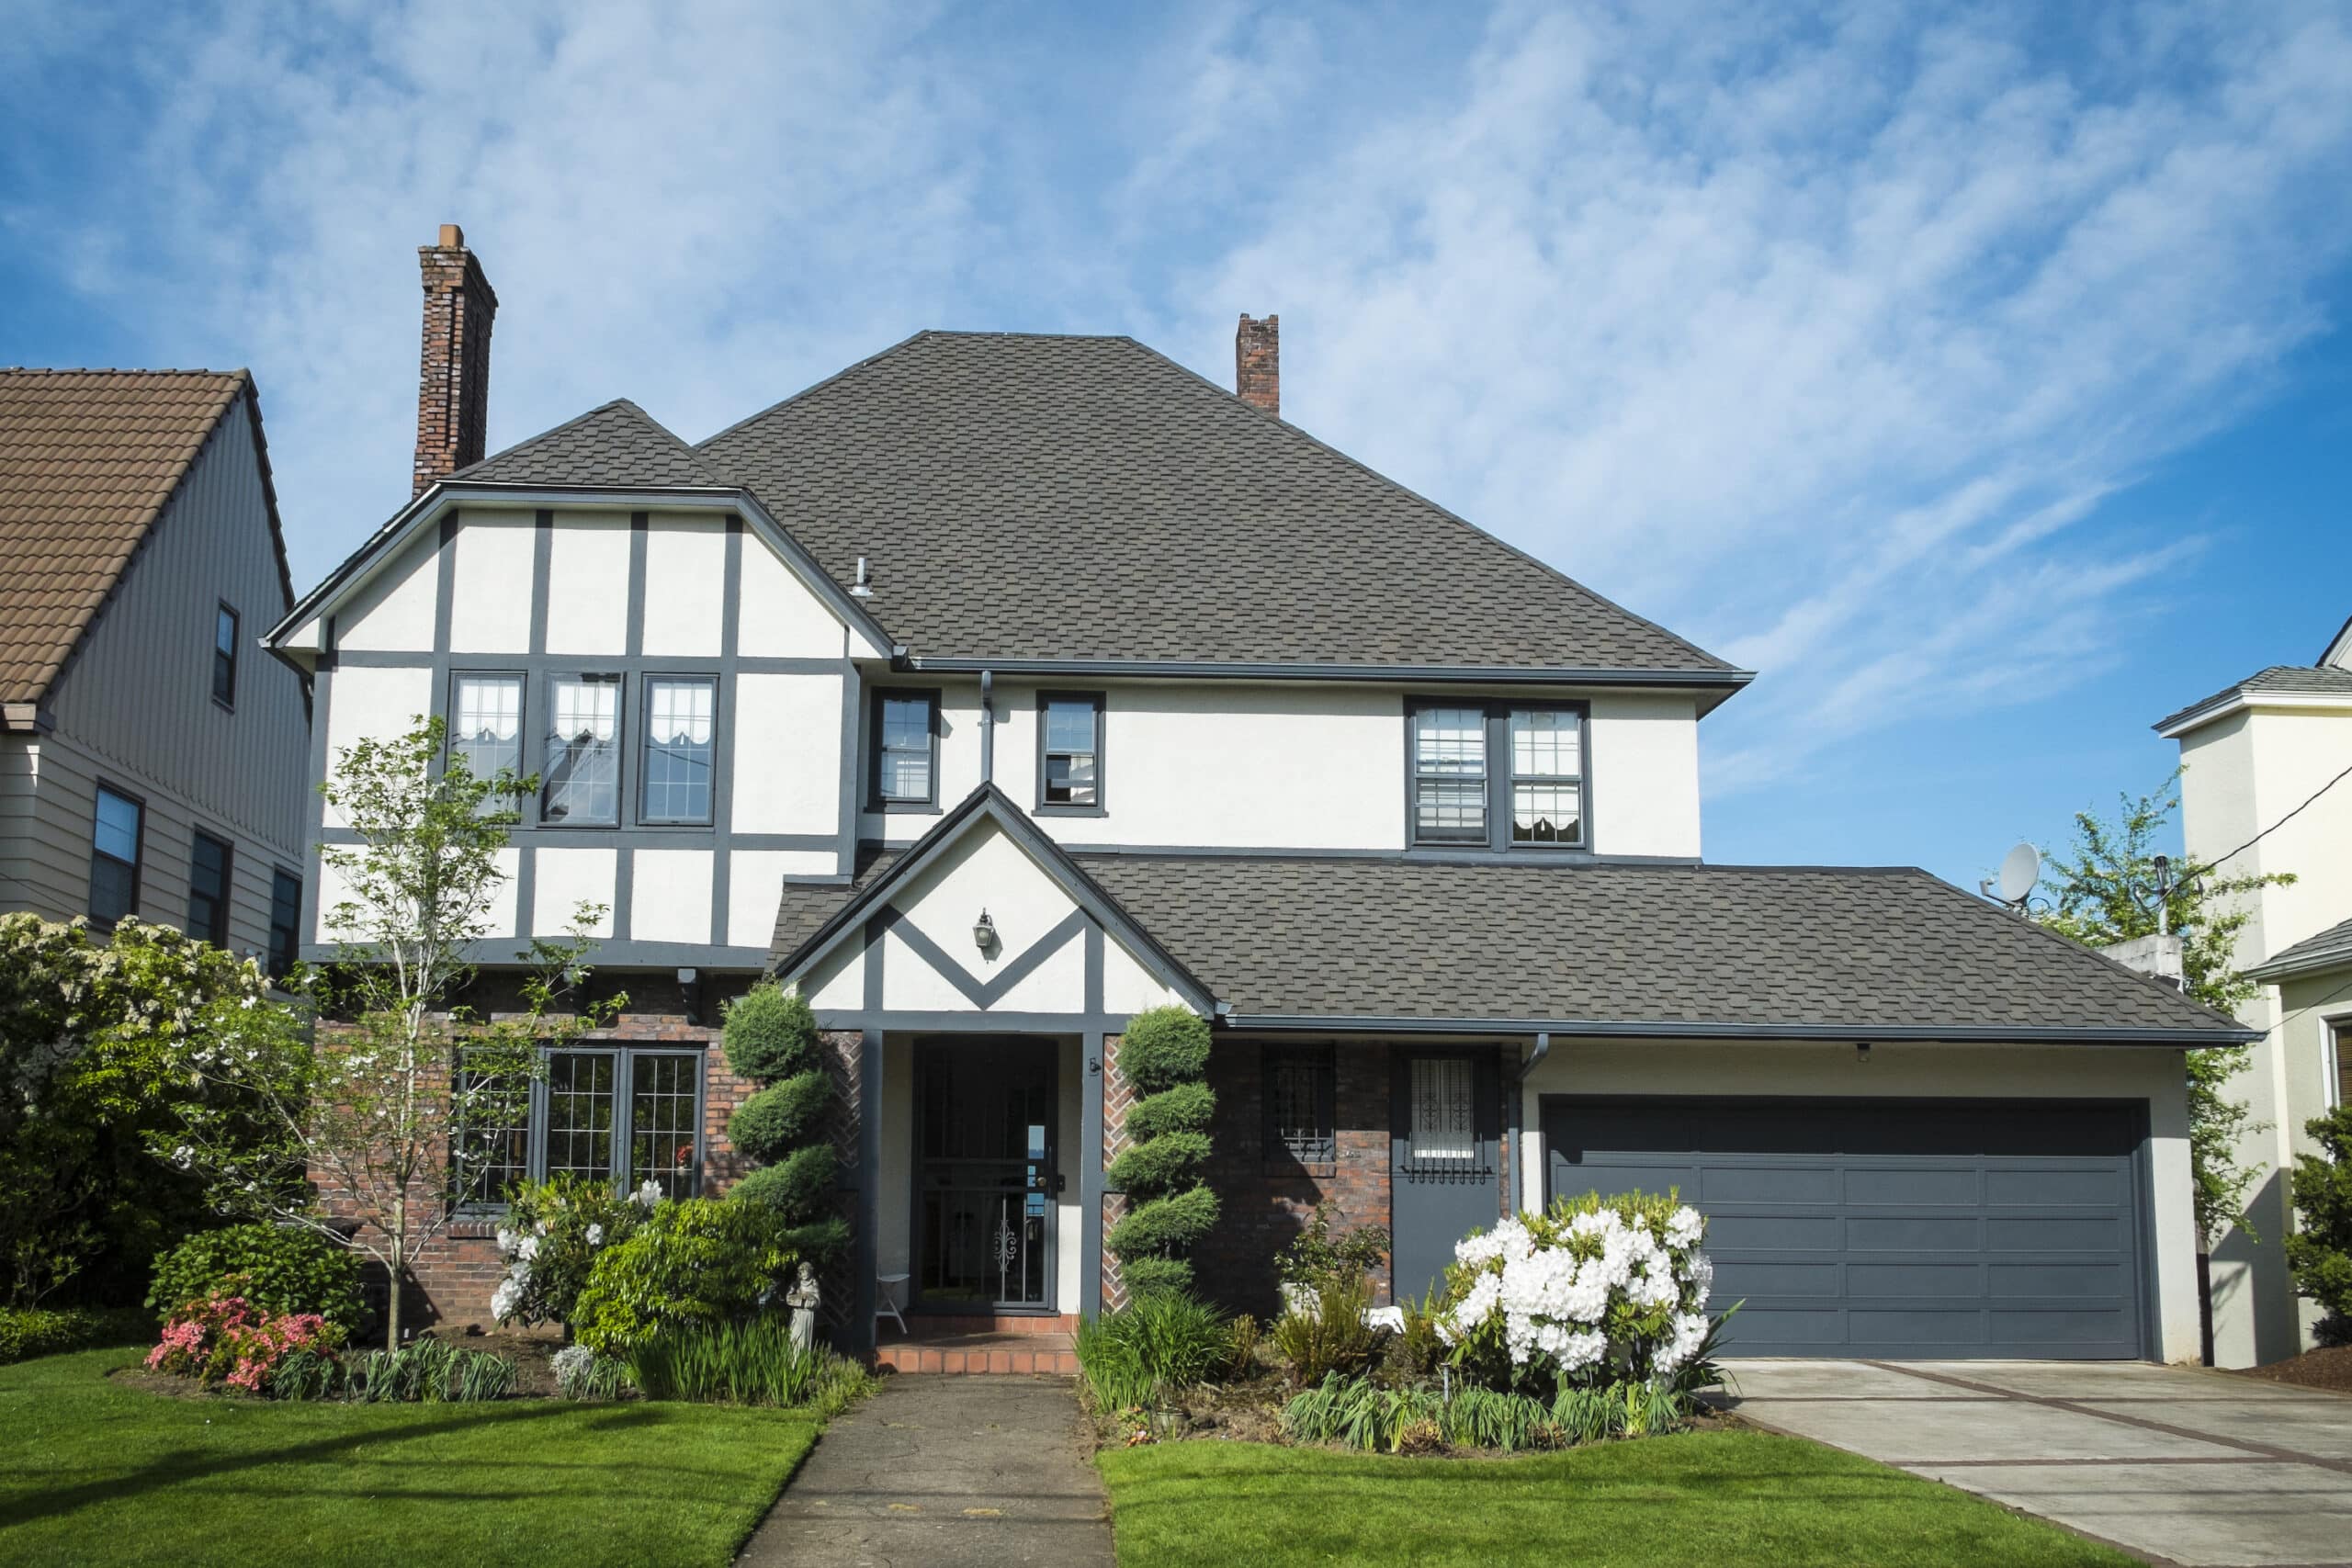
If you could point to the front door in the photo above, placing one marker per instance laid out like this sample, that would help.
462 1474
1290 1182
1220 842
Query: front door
985 1175
1445 1180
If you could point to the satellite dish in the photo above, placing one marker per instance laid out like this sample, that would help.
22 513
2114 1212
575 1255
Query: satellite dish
2021 870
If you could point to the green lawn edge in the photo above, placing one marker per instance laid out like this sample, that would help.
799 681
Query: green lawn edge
1701 1497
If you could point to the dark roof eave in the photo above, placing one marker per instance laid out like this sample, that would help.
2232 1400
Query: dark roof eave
1725 681
1701 1029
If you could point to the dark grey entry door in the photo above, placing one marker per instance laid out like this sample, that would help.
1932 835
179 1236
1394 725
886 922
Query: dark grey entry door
985 1176
1918 1229
1445 1177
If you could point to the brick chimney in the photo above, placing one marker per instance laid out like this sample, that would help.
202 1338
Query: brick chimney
453 389
1257 363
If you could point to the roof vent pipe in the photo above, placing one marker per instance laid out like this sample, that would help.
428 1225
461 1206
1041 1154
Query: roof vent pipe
861 589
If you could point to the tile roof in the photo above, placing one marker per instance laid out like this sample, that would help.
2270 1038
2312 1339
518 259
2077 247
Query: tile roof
1636 946
2280 680
1086 498
88 459
2330 948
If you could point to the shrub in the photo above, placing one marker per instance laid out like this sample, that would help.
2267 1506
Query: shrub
1329 1335
1164 1052
1358 1414
770 1033
1418 1344
1164 1046
1241 1347
751 1362
1592 1293
1157 1164
797 1187
1154 1276
581 1373
2319 1253
553 1234
1312 1258
1187 1108
423 1371
697 1260
1159 1343
229 1340
780 1116
276 1270
27 1332
1165 1225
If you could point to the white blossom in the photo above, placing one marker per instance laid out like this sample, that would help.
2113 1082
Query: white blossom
595 1235
527 1249
503 1299
649 1194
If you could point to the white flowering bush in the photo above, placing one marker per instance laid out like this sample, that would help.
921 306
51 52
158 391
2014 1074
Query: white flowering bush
1594 1292
550 1238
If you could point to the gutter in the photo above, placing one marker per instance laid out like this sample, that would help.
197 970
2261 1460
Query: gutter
1283 669
1701 1029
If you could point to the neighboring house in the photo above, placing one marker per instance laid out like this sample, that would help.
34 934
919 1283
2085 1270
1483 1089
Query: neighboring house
1003 685
2264 790
153 763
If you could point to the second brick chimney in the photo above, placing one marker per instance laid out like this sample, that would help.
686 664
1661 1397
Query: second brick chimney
453 388
1257 362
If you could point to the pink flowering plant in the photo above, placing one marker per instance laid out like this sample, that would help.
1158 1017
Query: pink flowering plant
1594 1292
226 1341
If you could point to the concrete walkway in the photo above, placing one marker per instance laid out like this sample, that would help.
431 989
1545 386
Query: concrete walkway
2178 1464
945 1469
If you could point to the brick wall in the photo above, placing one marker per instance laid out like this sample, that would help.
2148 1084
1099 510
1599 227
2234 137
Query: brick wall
453 378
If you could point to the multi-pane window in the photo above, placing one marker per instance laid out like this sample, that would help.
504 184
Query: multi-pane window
622 1115
1300 1105
1444 1111
493 1126
207 890
1495 777
224 657
1069 774
285 922
1546 777
583 766
680 722
1450 775
114 856
906 730
486 729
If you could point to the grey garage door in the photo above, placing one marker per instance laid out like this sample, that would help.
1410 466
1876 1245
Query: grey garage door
1890 1228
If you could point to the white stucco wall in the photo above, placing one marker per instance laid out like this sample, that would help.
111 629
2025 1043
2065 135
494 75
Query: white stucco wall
588 583
490 583
985 871
786 776
1912 1070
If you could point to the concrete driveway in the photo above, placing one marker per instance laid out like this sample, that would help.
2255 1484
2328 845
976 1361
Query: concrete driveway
2178 1464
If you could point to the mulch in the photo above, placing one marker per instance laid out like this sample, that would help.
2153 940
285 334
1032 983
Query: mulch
2330 1366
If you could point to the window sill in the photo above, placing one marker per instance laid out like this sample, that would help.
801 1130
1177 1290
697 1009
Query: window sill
224 707
1043 809
904 808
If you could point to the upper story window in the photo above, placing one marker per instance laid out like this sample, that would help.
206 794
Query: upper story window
207 890
1069 758
583 766
224 657
285 922
1496 775
115 840
906 751
680 727
486 728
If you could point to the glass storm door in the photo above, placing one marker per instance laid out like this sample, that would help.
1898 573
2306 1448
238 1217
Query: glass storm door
985 1177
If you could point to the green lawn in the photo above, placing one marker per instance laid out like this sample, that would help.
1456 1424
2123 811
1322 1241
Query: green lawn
1710 1499
91 1472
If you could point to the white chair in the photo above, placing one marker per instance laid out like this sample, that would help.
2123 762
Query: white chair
886 1300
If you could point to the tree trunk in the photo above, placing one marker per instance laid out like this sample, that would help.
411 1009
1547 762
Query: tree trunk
395 1269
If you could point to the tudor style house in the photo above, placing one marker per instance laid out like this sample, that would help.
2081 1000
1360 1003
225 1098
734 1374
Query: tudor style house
151 764
2263 790
1002 685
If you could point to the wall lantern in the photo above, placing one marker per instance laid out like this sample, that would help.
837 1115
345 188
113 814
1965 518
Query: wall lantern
984 932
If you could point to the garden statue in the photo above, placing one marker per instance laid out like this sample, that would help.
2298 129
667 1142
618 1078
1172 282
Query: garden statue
802 1300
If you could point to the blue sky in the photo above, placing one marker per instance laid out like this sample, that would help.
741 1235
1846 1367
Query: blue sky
1980 375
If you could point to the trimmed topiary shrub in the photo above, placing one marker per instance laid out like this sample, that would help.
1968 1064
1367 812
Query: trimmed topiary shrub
277 1269
770 1038
1165 1052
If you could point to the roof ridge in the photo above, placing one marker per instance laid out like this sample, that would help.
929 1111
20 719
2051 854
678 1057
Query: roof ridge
816 386
574 422
118 371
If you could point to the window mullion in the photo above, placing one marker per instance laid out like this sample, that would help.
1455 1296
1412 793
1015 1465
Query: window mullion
1500 763
624 1114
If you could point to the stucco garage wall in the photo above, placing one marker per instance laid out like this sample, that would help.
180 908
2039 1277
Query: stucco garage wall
1921 1071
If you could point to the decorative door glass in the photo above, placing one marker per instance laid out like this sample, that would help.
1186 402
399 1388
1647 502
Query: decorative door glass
1444 1125
986 1183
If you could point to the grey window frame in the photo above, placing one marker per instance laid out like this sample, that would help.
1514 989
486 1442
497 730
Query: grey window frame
526 805
875 800
1499 778
645 746
619 681
626 1058
138 854
282 960
1282 1154
231 653
218 933
1100 702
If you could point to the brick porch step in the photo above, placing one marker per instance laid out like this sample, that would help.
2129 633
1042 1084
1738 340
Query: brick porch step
1033 1352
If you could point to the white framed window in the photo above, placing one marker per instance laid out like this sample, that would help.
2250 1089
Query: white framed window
681 728
1497 775
583 765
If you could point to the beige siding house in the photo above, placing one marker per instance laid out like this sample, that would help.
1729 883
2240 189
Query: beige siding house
153 761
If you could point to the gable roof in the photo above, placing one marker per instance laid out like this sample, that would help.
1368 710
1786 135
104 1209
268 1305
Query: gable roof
88 459
1047 499
2330 948
2278 680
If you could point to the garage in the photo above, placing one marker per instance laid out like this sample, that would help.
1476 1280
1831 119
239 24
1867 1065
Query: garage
1894 1228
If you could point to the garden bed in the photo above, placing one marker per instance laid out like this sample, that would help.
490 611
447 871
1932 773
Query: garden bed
2329 1367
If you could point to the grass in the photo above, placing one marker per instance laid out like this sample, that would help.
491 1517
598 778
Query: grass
92 1471
1708 1497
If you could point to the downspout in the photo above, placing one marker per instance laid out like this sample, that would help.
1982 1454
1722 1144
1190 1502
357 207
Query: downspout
1543 1048
988 727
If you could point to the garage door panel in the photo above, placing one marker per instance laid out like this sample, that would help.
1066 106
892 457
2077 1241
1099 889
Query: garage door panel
1880 1227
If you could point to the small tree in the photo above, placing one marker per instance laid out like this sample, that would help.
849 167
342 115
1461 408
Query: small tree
772 1040
1165 1054
2320 1254
401 1108
2111 892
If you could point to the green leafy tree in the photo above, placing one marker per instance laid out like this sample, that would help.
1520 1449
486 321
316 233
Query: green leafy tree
398 1112
2108 891
2320 1253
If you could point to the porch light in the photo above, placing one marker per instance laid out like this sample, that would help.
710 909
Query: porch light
984 932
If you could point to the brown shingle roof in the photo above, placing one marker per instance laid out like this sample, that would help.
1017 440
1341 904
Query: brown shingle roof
88 459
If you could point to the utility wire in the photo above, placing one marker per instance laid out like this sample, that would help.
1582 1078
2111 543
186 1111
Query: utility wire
2220 860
